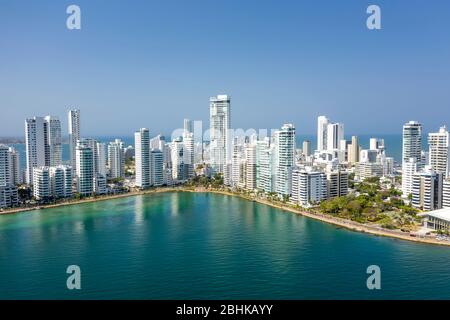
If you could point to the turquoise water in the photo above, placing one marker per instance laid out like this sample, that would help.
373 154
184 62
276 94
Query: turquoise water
205 246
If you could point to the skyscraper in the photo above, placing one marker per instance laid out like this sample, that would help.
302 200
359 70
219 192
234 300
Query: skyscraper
5 172
439 143
14 166
74 134
411 155
142 156
85 169
35 145
157 168
427 189
353 151
412 142
285 153
335 133
53 142
116 159
178 165
306 151
220 144
322 131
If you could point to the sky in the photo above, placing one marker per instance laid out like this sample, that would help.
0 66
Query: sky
153 63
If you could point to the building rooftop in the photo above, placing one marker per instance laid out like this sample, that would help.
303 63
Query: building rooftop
443 214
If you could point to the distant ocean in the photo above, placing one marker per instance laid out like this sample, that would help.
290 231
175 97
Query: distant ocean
393 143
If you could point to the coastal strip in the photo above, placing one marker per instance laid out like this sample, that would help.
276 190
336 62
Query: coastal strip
347 224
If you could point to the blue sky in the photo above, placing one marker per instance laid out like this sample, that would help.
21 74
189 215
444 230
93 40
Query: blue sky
152 63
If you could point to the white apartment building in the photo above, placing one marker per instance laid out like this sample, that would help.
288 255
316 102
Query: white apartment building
41 183
285 155
157 168
116 159
335 134
74 134
52 182
35 145
439 154
220 124
8 190
85 169
142 158
427 189
188 144
265 166
409 169
309 187
53 141
412 143
5 167
61 181
322 133
43 143
14 167
177 155
250 157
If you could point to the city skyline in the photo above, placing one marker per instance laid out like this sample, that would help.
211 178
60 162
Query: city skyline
172 60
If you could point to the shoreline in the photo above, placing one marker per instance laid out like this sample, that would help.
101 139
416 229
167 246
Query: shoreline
347 224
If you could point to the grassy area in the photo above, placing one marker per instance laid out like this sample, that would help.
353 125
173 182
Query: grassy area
369 203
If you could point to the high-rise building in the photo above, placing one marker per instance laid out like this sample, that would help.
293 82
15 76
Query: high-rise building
43 143
308 186
306 151
74 134
5 166
188 126
53 141
220 124
427 189
409 169
8 190
61 181
14 167
337 183
322 131
9 196
236 159
116 159
353 151
265 166
142 156
250 162
41 183
52 182
35 145
335 133
188 148
157 168
178 166
439 154
285 153
412 143
446 193
85 169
